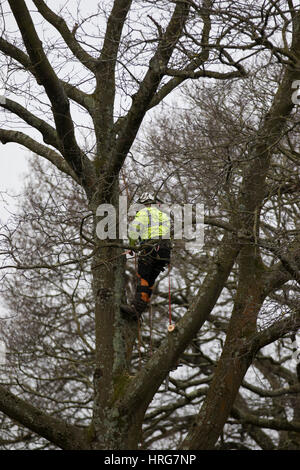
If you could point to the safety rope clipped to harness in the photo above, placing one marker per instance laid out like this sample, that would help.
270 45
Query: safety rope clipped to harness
171 327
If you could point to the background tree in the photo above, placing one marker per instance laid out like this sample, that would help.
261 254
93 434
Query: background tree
245 153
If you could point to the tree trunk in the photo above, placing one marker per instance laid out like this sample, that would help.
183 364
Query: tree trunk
235 359
115 336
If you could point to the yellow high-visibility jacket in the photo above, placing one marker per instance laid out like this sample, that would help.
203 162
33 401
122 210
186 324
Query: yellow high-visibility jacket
149 223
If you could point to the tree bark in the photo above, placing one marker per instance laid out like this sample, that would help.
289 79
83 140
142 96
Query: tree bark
58 432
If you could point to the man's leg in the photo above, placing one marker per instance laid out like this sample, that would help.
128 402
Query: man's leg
143 288
151 262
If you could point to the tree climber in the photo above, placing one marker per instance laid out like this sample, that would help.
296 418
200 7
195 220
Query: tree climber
151 230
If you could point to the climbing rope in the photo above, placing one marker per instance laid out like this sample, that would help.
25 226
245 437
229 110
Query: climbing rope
170 326
139 344
170 309
150 325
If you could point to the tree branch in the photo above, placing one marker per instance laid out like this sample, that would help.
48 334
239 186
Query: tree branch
274 278
274 332
105 75
259 436
58 432
149 85
48 132
278 424
55 92
18 137
293 389
204 73
60 25
81 98
198 60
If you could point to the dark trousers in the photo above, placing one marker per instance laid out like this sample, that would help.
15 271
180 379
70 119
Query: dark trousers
153 258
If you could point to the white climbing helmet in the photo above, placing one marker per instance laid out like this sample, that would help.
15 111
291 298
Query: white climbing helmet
147 197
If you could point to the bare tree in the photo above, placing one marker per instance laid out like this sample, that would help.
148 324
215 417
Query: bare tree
206 162
149 49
